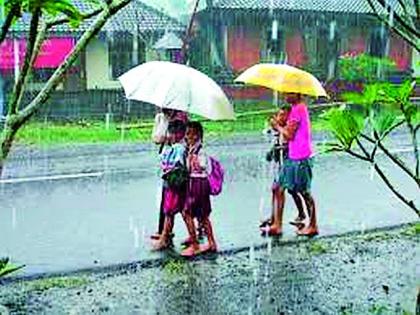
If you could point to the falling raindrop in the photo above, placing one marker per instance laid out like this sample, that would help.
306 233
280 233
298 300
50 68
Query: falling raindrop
391 18
136 237
251 254
363 227
255 276
143 234
331 69
333 25
105 163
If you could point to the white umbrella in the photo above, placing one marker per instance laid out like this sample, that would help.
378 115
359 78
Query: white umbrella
171 85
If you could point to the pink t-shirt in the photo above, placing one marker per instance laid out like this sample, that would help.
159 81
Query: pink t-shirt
300 147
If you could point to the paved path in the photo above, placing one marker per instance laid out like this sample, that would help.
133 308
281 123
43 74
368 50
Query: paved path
99 209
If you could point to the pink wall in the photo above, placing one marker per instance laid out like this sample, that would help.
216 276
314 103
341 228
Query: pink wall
295 49
52 53
400 52
243 47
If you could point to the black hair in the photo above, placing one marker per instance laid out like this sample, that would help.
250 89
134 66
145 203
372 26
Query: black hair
197 126
176 126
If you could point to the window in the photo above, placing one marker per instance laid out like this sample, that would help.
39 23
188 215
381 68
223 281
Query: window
125 52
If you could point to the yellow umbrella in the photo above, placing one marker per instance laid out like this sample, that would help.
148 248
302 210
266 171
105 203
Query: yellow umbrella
282 78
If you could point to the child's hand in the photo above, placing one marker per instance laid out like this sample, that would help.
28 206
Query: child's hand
194 163
274 123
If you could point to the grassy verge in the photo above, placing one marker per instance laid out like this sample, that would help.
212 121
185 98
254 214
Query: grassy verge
50 134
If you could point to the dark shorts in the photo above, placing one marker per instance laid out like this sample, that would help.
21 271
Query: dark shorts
197 201
296 175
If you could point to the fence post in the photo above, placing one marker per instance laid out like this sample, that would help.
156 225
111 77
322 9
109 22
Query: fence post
108 117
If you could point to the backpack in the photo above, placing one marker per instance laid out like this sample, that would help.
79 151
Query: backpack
215 176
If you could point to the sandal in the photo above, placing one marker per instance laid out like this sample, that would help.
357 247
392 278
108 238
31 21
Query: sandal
206 248
157 236
271 231
190 251
158 246
187 242
307 232
265 223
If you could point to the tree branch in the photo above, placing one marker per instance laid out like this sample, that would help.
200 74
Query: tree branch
14 12
409 203
407 14
412 41
361 157
65 20
18 88
38 43
361 146
413 134
56 78
392 157
399 19
399 162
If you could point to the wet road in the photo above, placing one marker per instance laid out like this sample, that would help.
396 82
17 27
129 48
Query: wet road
63 213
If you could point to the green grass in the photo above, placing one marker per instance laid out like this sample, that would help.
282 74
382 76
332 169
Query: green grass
413 230
317 248
51 134
58 282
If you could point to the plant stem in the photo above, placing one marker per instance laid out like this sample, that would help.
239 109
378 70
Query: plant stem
409 203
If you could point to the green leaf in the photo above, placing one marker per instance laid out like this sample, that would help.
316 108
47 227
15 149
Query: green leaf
7 268
10 269
330 147
383 120
346 125
3 262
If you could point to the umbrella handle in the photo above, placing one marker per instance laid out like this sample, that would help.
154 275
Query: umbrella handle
281 149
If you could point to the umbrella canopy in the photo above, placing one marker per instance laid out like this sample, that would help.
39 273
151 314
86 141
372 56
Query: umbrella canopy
171 85
282 78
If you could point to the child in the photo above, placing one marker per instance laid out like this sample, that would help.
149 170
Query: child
174 185
197 201
159 136
296 175
280 119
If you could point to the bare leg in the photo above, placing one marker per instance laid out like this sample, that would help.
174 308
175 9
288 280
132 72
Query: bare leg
299 205
209 231
276 226
189 222
312 228
164 240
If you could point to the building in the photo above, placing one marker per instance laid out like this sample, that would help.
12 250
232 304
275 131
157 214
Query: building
305 33
91 87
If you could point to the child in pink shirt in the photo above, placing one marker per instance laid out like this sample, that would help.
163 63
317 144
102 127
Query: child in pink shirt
297 171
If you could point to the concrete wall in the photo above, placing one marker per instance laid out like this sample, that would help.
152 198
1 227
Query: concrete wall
97 67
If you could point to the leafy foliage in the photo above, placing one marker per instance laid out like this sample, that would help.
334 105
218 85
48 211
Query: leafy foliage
373 114
345 124
364 68
7 268
49 8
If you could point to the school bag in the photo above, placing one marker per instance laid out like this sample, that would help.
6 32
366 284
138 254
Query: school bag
215 176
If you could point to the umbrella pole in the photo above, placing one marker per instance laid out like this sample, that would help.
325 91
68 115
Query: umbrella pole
281 149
